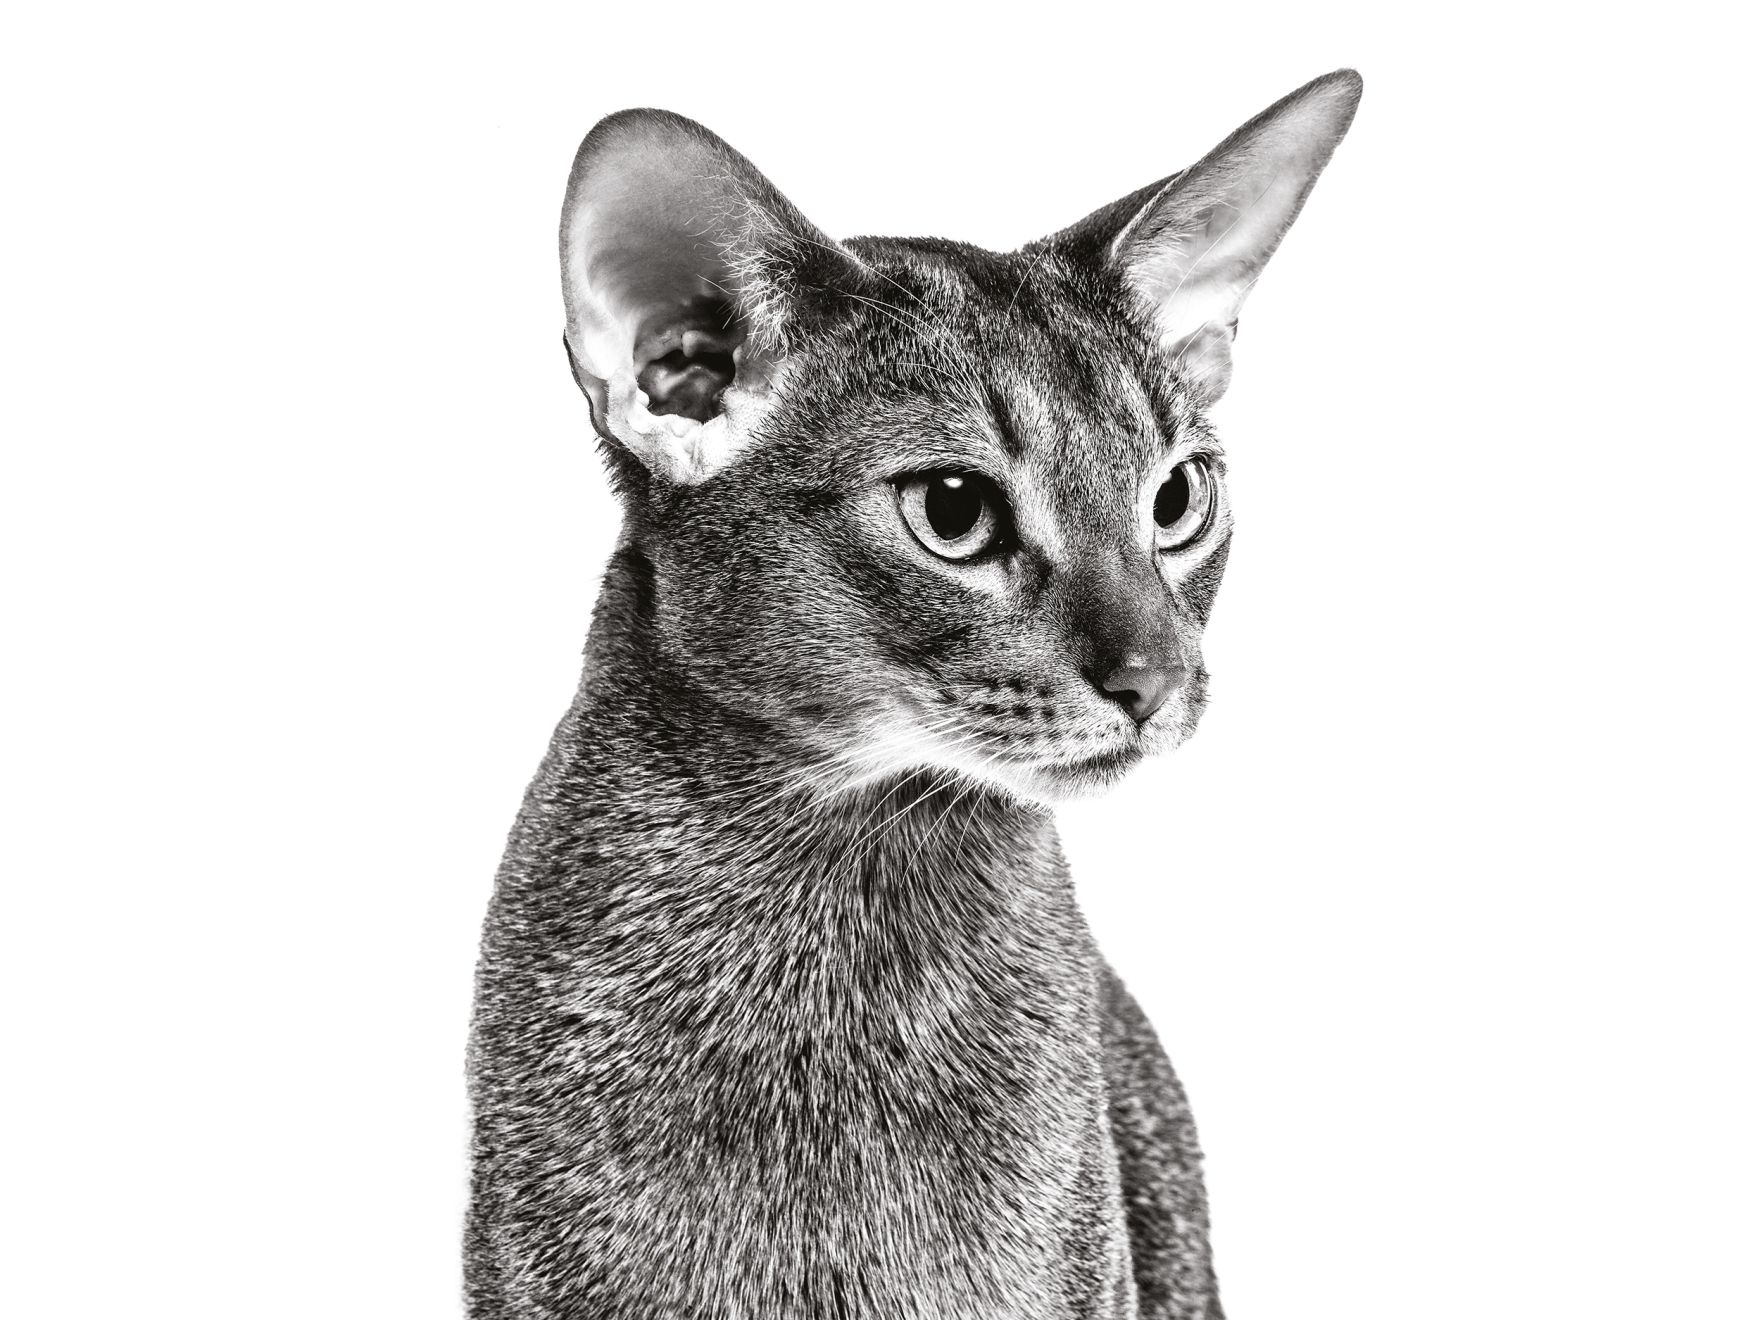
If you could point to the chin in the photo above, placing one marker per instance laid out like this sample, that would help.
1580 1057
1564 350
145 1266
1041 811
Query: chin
1070 781
1067 781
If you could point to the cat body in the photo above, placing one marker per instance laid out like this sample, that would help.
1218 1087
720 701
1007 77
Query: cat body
786 1008
783 1069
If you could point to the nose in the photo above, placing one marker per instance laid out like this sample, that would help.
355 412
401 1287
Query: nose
1123 629
1141 685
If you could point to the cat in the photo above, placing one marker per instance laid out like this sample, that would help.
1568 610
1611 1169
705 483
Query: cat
785 1008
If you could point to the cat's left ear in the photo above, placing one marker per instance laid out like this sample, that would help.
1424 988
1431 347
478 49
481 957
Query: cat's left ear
686 277
1193 246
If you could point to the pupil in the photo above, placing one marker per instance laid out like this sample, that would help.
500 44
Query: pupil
1173 497
953 506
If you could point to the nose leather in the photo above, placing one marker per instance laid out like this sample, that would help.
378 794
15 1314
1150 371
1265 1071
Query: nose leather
1142 687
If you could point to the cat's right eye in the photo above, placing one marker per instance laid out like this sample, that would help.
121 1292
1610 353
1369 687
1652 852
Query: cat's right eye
956 515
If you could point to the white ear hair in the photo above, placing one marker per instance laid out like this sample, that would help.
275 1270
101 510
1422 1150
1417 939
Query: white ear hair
1194 251
680 265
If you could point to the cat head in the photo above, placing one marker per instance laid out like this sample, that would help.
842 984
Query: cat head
912 502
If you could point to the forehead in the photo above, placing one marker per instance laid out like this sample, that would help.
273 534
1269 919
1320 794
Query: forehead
1018 354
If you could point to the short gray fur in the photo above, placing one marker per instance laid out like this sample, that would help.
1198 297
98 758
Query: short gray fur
786 1008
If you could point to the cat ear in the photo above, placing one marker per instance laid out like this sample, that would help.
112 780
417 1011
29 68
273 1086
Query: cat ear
683 274
1193 246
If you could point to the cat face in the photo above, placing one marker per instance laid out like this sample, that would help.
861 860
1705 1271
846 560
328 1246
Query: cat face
944 542
913 503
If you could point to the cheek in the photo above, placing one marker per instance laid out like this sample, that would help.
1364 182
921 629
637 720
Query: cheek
804 619
916 621
994 657
1195 586
834 611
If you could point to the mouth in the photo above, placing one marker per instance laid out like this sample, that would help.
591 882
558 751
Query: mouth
1118 758
1042 761
1063 780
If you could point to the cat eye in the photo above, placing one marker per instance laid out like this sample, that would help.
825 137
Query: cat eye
1182 505
956 515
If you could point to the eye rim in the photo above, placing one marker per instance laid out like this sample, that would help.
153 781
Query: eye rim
988 534
1200 508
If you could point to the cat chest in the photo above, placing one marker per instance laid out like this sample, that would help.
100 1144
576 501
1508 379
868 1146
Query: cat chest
967 1181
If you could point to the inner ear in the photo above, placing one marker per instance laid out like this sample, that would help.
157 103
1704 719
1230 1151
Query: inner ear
685 276
1192 247
687 358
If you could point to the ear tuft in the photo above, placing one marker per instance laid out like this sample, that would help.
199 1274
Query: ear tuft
682 270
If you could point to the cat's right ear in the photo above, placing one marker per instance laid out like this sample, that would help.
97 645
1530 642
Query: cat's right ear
685 275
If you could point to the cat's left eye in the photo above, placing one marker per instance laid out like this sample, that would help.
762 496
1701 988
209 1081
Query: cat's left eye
956 515
1182 504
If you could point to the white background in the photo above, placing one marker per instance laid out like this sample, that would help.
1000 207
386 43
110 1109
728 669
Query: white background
1446 915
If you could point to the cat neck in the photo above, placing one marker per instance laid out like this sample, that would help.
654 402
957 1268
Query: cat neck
684 790
706 791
